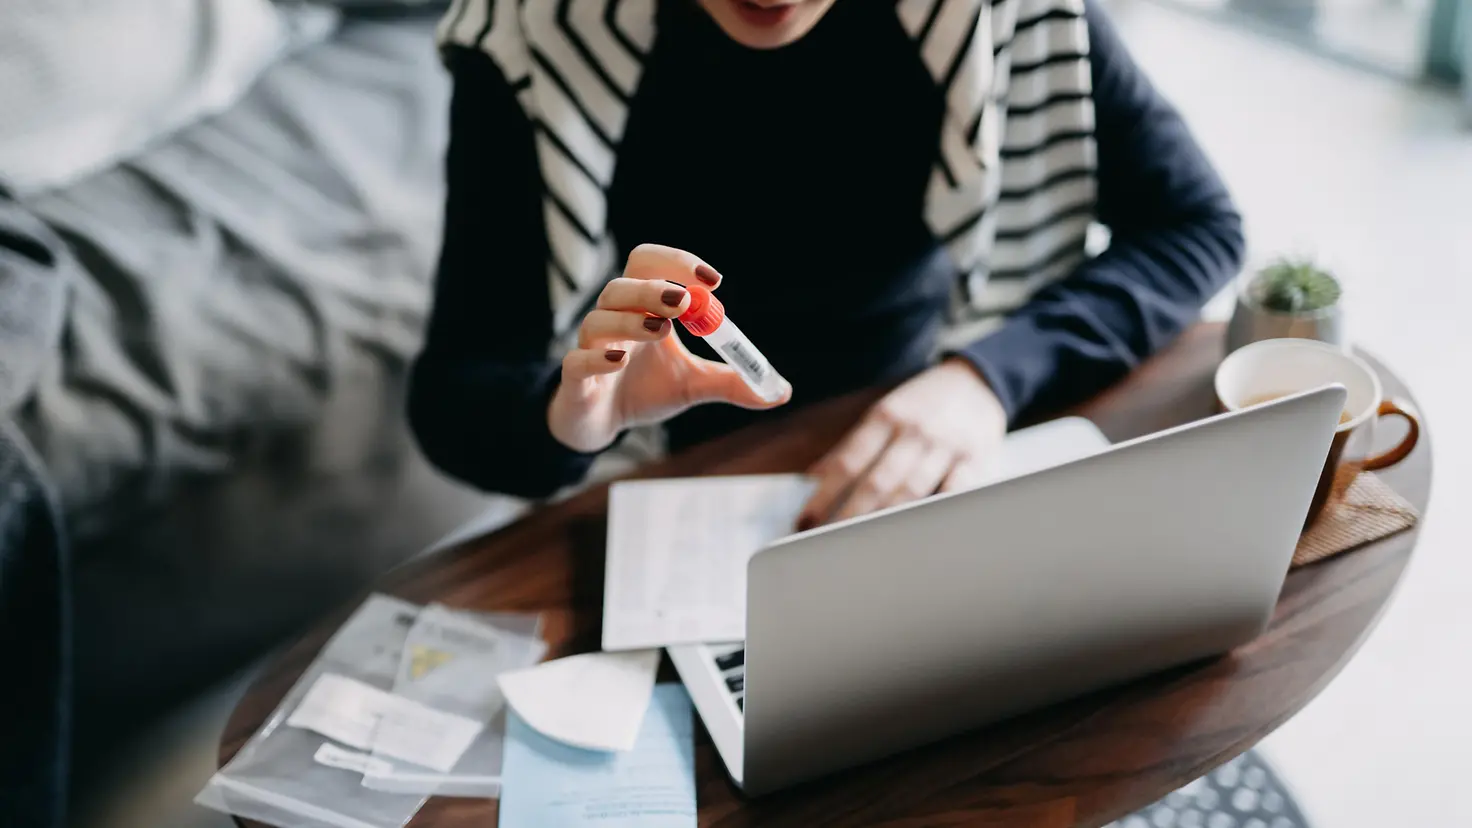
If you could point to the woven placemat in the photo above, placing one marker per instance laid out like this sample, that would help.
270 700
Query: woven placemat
1370 510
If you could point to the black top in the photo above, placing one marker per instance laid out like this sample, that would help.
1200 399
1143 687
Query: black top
800 174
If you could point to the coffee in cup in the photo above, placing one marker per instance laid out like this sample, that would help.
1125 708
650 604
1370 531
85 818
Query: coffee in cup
1263 399
1272 368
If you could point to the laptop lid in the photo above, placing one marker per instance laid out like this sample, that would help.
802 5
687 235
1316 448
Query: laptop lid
889 631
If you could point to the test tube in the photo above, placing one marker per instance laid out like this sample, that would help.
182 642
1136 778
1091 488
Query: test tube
706 318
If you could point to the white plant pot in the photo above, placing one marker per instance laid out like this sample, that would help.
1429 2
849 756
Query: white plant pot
1251 323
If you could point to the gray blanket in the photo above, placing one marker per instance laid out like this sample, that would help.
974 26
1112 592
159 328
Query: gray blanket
220 282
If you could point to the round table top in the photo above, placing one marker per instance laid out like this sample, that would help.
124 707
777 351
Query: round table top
1081 763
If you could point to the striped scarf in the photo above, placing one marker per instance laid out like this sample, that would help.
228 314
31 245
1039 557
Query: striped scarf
1012 191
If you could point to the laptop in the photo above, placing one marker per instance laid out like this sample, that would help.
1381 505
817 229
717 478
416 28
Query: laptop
885 632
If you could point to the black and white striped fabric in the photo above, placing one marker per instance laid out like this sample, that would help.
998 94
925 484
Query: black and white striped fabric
1012 192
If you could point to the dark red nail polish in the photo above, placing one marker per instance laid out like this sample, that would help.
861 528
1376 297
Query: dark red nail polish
614 355
707 274
673 297
654 324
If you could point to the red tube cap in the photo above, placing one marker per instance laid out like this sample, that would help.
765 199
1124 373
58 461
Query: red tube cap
705 314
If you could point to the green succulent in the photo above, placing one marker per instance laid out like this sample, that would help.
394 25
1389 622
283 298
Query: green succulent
1294 286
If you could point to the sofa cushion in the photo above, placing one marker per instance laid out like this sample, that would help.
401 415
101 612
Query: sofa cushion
89 82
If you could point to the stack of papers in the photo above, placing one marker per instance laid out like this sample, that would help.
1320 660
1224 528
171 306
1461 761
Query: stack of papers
585 744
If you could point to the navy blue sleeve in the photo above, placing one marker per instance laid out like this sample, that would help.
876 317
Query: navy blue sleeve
480 387
1176 240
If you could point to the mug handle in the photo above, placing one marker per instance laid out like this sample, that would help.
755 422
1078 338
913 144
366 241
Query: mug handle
1407 443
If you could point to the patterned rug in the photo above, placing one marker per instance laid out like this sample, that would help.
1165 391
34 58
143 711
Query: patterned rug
1243 793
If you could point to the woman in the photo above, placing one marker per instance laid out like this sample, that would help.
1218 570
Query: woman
851 167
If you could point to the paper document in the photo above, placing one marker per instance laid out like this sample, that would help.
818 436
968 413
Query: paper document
594 701
551 785
362 716
677 552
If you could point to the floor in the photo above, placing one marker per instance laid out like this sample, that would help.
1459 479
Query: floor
1375 177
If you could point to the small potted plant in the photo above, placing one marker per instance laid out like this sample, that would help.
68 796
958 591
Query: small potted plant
1292 297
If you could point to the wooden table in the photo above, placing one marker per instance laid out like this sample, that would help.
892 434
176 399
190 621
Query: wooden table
1082 763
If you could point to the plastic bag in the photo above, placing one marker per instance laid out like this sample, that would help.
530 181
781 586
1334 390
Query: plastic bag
451 661
305 767
275 778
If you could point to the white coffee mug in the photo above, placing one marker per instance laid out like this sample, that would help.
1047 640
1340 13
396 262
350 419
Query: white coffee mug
1272 368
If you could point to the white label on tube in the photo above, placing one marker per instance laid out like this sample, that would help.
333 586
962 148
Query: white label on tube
741 354
744 358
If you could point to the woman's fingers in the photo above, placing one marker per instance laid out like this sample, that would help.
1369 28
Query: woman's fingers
601 327
924 478
655 262
886 479
635 310
592 362
966 473
842 467
659 298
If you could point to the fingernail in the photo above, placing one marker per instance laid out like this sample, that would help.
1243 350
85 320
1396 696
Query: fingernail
707 274
673 297
805 523
654 324
613 355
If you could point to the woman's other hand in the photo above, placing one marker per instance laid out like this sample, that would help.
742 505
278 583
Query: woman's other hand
629 367
929 435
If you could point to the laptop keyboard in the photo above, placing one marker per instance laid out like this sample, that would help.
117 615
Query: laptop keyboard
731 664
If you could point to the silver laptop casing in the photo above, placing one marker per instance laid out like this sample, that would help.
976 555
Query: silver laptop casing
882 633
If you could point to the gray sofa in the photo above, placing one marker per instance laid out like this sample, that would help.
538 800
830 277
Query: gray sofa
220 412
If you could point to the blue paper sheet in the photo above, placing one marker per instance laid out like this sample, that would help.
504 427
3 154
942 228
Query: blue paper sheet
547 784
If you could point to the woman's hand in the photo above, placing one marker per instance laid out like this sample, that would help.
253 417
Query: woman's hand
629 367
930 434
